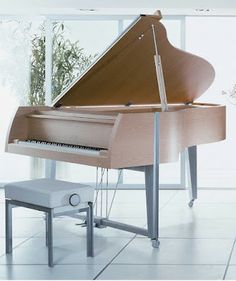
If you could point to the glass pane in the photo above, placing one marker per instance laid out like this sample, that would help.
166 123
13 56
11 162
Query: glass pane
169 174
83 173
173 28
15 56
126 23
76 44
37 73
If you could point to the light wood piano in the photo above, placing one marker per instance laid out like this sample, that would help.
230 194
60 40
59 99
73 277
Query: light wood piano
113 116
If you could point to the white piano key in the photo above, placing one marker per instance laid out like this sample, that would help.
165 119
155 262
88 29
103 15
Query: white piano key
60 147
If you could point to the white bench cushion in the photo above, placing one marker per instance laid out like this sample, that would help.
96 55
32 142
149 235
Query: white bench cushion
48 192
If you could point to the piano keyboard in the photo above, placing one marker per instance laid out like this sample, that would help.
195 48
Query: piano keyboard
61 146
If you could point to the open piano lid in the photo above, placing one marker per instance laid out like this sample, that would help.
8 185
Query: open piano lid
125 74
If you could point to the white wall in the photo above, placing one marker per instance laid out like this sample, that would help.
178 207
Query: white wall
214 39
70 7
117 4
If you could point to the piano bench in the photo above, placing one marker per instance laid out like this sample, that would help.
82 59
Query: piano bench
55 198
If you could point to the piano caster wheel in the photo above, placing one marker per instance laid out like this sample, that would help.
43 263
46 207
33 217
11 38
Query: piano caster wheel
190 204
155 243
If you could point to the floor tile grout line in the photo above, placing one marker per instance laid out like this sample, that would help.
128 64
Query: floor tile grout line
229 259
24 241
189 238
169 200
110 262
172 264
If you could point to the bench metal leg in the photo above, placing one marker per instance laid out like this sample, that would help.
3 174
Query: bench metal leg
49 218
90 238
46 228
8 213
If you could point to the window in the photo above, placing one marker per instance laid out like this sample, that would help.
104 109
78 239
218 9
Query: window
76 45
15 54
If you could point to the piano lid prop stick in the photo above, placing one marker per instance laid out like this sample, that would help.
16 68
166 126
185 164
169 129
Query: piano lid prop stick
159 73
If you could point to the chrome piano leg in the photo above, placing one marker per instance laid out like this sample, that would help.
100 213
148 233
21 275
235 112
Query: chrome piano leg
152 188
152 205
89 222
192 158
8 215
148 186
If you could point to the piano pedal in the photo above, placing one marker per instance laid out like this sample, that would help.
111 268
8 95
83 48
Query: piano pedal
190 204
98 225
82 224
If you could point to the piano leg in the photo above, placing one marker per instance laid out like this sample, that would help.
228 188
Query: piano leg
148 184
152 205
192 158
153 189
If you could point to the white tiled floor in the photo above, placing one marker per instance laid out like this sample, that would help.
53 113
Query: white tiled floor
197 243
155 272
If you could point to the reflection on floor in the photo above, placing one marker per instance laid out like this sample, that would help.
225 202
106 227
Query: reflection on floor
197 243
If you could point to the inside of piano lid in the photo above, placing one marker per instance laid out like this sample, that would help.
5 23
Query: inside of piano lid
125 74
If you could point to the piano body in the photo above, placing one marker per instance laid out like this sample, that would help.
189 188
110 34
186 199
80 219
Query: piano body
112 116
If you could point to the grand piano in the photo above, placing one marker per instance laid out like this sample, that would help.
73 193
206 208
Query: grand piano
132 109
